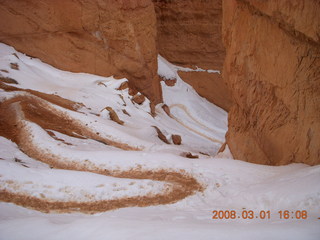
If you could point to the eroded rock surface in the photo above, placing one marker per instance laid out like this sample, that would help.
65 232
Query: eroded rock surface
272 67
110 37
189 35
189 32
210 86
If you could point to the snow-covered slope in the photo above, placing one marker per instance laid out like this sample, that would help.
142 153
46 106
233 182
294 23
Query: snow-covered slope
66 154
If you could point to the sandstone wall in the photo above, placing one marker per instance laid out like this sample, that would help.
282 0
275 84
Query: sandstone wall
210 86
104 37
272 67
189 34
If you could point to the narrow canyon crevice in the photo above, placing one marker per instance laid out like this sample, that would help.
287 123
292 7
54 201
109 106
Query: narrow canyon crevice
190 35
267 53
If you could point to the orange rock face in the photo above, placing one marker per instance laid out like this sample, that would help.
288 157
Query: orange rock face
272 67
189 34
109 37
210 86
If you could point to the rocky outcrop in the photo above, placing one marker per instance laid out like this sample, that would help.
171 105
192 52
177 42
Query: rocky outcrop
110 37
272 67
189 35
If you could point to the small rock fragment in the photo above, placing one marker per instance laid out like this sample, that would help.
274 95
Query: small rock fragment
176 139
8 80
125 112
189 155
123 86
166 109
170 82
152 109
114 116
223 147
14 66
132 91
139 99
161 136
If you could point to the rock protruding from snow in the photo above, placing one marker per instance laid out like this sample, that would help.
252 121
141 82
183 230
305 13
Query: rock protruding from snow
176 139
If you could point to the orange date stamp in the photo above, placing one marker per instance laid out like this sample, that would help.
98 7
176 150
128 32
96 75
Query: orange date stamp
263 214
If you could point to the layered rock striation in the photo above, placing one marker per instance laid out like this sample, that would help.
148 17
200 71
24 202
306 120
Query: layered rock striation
189 32
189 35
272 67
110 37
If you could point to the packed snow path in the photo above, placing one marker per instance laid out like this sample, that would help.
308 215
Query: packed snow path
17 114
184 109
46 127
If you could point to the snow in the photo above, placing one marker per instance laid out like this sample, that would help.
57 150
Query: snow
165 69
229 184
199 114
69 185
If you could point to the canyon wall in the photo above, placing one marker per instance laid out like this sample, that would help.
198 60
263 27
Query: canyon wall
189 35
272 67
189 32
121 37
109 37
210 86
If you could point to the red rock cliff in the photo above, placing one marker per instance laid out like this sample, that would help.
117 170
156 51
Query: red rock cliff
104 37
189 34
272 67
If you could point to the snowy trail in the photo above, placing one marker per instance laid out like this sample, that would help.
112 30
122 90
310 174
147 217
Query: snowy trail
14 112
184 108
61 151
